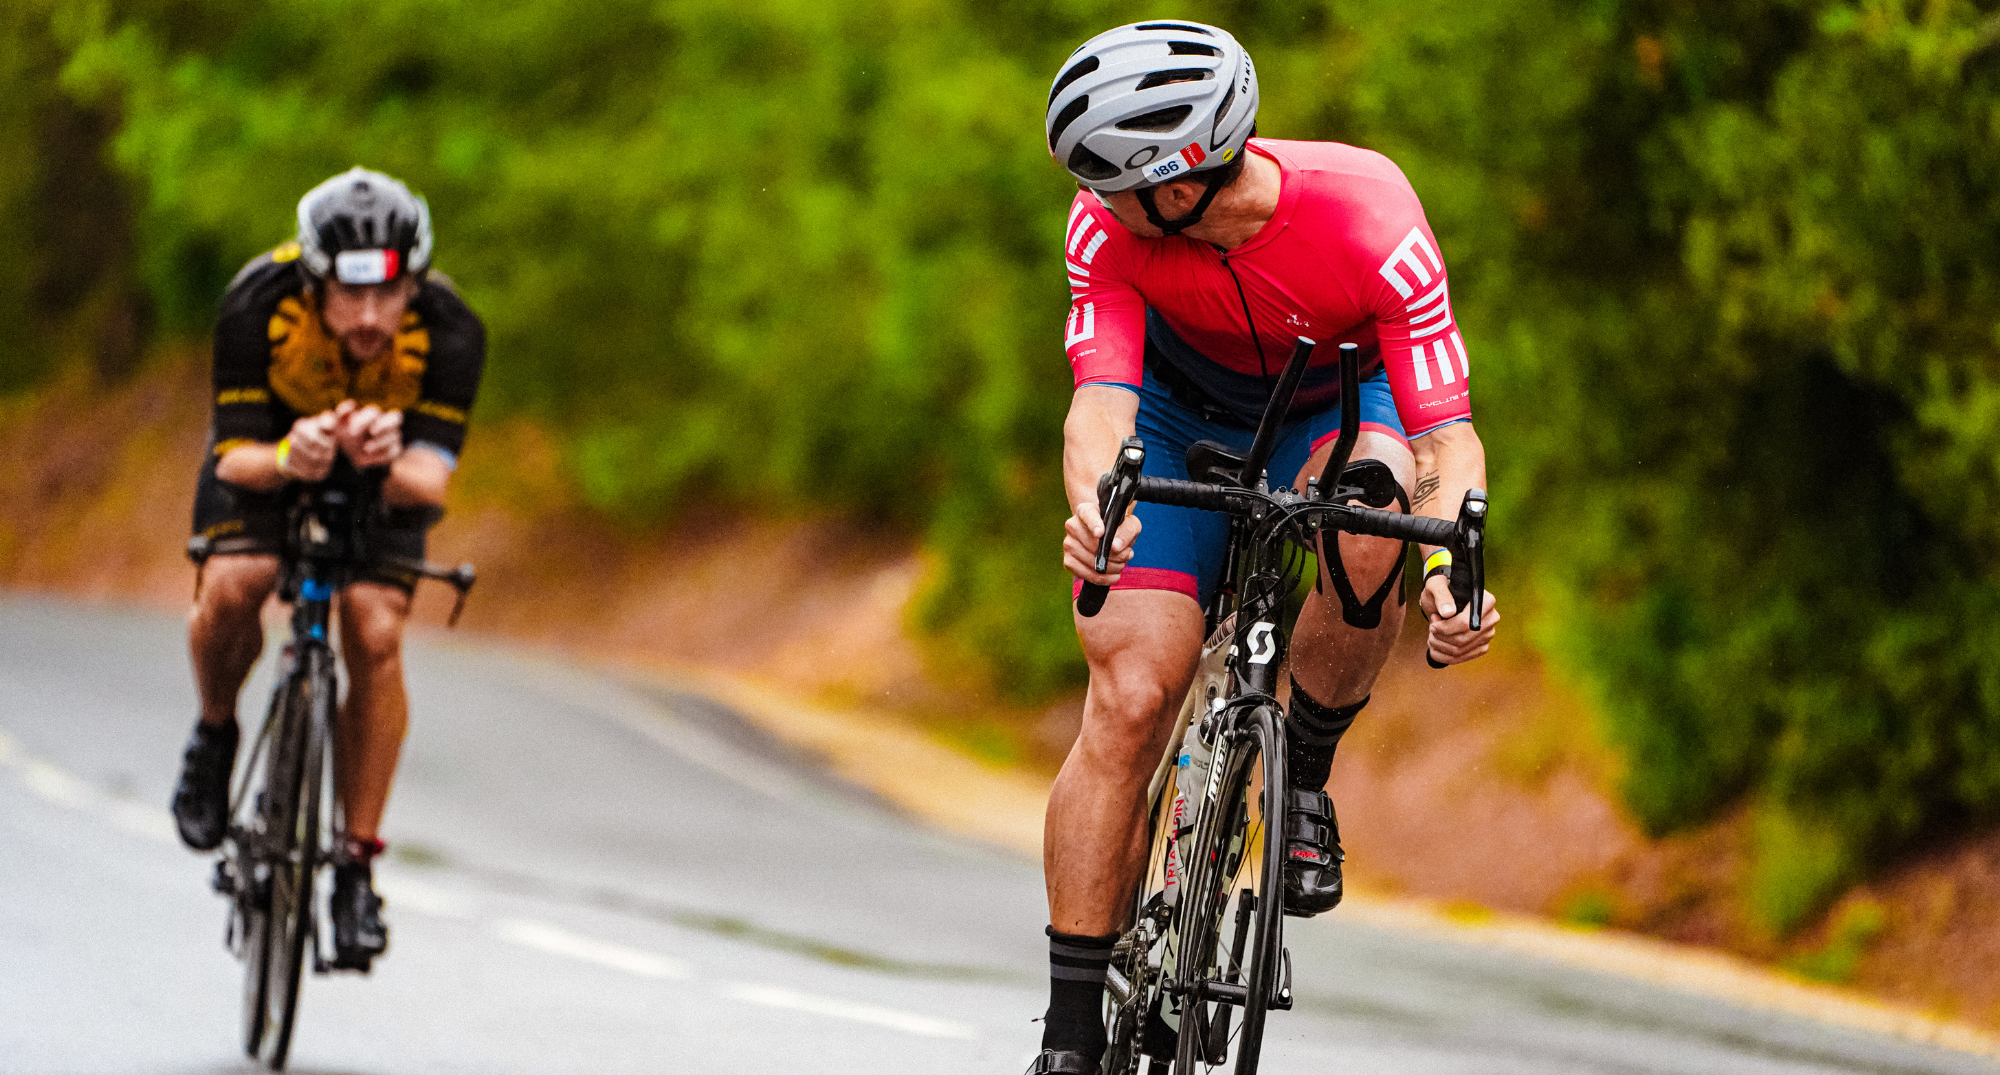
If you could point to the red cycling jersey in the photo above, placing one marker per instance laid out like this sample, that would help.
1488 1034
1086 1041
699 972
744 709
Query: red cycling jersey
1346 258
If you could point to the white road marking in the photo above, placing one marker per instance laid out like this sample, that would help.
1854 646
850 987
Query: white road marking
67 790
422 898
659 724
780 997
547 938
563 943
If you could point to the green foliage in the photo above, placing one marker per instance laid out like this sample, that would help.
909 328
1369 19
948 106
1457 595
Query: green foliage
1848 937
1592 908
1728 269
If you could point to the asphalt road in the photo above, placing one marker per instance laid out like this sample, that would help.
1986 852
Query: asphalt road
590 876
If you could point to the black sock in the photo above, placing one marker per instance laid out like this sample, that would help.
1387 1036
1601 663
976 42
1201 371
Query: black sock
211 733
1312 731
1075 1020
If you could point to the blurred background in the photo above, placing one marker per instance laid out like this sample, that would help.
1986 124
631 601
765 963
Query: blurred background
775 295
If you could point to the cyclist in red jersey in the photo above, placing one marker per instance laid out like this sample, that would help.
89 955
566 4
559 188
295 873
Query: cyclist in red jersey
1196 254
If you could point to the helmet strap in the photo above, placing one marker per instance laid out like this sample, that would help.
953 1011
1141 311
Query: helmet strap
1210 188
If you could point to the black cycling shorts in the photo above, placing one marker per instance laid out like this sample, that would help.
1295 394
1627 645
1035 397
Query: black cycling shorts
240 522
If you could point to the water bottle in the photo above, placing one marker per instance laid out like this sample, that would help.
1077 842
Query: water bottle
1190 782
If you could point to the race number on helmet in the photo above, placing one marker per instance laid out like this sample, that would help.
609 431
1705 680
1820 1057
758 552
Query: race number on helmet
362 227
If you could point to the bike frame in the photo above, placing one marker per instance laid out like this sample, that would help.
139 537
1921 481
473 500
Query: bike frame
290 771
1233 703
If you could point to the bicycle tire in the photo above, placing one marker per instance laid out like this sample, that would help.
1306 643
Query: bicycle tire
256 924
1231 920
252 908
291 912
1140 960
256 846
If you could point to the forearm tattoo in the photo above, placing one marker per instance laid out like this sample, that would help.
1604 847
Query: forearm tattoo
1427 491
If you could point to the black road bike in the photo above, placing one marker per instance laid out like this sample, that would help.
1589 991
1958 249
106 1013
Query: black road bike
283 821
1202 960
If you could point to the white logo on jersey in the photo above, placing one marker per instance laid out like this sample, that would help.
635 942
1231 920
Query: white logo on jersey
1090 248
1082 227
1405 255
1423 355
1082 324
1430 312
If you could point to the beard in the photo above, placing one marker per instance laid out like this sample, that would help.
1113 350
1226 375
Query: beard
366 344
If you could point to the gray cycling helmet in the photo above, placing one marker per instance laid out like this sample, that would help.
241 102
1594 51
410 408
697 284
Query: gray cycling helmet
362 227
1150 102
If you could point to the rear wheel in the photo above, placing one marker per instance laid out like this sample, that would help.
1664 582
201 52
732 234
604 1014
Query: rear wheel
1232 917
1142 962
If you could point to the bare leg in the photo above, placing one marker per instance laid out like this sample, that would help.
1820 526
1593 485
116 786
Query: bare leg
376 714
1335 663
226 630
1142 650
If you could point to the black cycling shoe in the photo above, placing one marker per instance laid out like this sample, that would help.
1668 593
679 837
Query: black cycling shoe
201 799
358 933
1062 1062
1312 855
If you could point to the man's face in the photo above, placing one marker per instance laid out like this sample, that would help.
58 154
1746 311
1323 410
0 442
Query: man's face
365 316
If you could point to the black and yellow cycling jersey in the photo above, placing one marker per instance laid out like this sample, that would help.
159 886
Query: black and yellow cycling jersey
275 361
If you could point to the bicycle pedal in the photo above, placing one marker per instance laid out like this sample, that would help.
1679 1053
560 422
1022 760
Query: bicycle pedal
223 880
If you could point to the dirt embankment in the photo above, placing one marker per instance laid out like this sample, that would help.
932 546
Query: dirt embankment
1483 786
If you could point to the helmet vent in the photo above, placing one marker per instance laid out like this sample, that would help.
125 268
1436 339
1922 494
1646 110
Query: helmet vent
1160 119
1173 26
1082 68
1089 165
1066 117
1179 74
1215 131
1192 48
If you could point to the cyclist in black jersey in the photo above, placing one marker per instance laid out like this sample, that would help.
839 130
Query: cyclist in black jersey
336 352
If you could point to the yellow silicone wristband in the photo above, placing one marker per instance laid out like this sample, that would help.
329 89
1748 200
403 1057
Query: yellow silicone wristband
284 453
1440 558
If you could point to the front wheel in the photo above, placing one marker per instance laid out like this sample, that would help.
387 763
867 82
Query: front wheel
1231 923
300 780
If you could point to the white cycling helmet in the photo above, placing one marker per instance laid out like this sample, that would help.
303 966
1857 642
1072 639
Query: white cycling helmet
1150 102
363 227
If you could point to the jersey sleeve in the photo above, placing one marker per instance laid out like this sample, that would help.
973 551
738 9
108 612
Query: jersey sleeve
1422 348
451 378
245 410
1105 335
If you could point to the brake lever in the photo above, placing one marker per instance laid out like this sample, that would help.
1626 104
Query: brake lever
1468 564
461 579
1114 498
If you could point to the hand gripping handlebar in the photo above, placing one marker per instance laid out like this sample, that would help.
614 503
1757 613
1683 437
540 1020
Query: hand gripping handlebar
1114 498
1468 563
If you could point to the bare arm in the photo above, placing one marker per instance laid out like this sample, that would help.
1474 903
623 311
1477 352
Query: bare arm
1450 461
369 436
308 454
418 478
1100 418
